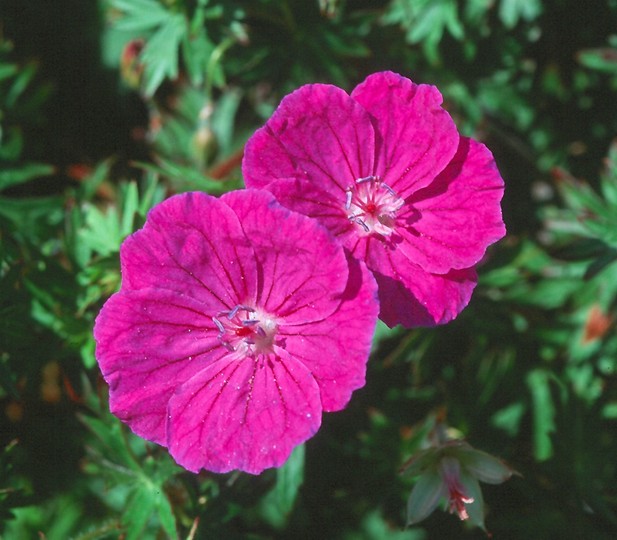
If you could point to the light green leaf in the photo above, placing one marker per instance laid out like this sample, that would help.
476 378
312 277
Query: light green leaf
160 55
140 15
130 207
601 59
511 11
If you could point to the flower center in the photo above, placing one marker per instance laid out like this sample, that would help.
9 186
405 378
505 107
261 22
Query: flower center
457 498
373 205
246 331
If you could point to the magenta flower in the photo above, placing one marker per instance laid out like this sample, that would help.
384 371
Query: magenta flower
386 171
238 322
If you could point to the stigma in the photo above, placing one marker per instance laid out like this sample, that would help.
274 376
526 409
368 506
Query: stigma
372 205
245 331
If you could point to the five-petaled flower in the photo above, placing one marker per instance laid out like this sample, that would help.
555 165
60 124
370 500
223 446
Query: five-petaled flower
452 471
238 322
387 172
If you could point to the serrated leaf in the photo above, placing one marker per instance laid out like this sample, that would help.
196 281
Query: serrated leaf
160 55
102 230
166 515
196 52
140 506
110 434
140 15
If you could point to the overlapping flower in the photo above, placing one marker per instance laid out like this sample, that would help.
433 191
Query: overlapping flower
241 319
387 172
238 322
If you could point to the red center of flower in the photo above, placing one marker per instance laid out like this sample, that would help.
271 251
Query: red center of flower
246 331
372 205
457 498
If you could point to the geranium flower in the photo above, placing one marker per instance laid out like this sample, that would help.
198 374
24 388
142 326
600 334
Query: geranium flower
386 171
452 472
238 322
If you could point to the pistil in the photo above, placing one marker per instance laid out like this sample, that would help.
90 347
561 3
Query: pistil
373 205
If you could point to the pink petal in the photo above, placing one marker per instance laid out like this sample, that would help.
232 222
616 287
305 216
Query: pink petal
319 133
310 199
303 271
416 298
451 222
416 138
149 342
192 244
336 349
246 415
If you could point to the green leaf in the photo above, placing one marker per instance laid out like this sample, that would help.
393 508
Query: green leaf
600 264
24 173
509 418
511 11
8 70
140 506
110 434
543 413
140 15
602 59
160 55
101 232
277 505
165 514
187 177
12 143
130 207
35 218
375 527
23 79
89 186
196 52
609 177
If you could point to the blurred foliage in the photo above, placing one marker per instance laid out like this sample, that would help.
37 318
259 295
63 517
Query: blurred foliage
107 108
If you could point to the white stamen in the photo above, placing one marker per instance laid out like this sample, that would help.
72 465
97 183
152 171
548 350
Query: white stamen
388 189
366 179
219 325
373 205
